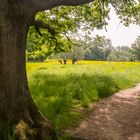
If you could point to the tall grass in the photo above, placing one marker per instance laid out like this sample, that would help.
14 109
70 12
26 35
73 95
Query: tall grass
62 91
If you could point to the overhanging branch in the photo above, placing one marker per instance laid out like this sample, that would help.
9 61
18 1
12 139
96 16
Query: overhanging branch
40 24
41 5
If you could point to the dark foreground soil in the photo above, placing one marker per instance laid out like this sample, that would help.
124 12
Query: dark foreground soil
113 118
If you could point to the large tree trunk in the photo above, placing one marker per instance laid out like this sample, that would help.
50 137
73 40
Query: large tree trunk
16 103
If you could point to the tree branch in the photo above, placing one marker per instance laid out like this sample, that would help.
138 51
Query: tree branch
41 5
40 24
65 34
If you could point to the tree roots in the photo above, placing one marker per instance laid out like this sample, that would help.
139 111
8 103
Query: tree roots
42 132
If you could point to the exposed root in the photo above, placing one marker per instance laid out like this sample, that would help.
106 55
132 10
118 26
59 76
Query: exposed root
35 126
23 132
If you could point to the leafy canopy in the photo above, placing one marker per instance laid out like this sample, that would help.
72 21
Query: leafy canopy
66 21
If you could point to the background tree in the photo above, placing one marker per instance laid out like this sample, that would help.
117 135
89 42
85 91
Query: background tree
98 49
120 53
135 49
62 57
76 53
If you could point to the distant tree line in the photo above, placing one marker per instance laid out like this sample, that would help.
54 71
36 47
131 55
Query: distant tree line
98 48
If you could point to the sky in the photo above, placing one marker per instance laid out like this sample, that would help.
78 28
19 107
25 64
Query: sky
118 33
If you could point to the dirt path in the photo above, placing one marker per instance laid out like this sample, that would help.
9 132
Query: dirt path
114 118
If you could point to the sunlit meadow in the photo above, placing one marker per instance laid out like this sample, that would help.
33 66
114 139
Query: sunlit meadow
62 92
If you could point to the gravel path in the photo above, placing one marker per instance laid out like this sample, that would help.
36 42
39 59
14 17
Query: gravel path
113 118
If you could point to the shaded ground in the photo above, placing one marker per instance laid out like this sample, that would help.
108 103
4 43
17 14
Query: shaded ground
113 118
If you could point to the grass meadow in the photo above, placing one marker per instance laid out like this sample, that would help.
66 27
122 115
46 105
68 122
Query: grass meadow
62 92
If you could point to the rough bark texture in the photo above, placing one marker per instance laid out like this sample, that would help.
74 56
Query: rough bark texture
16 103
13 83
